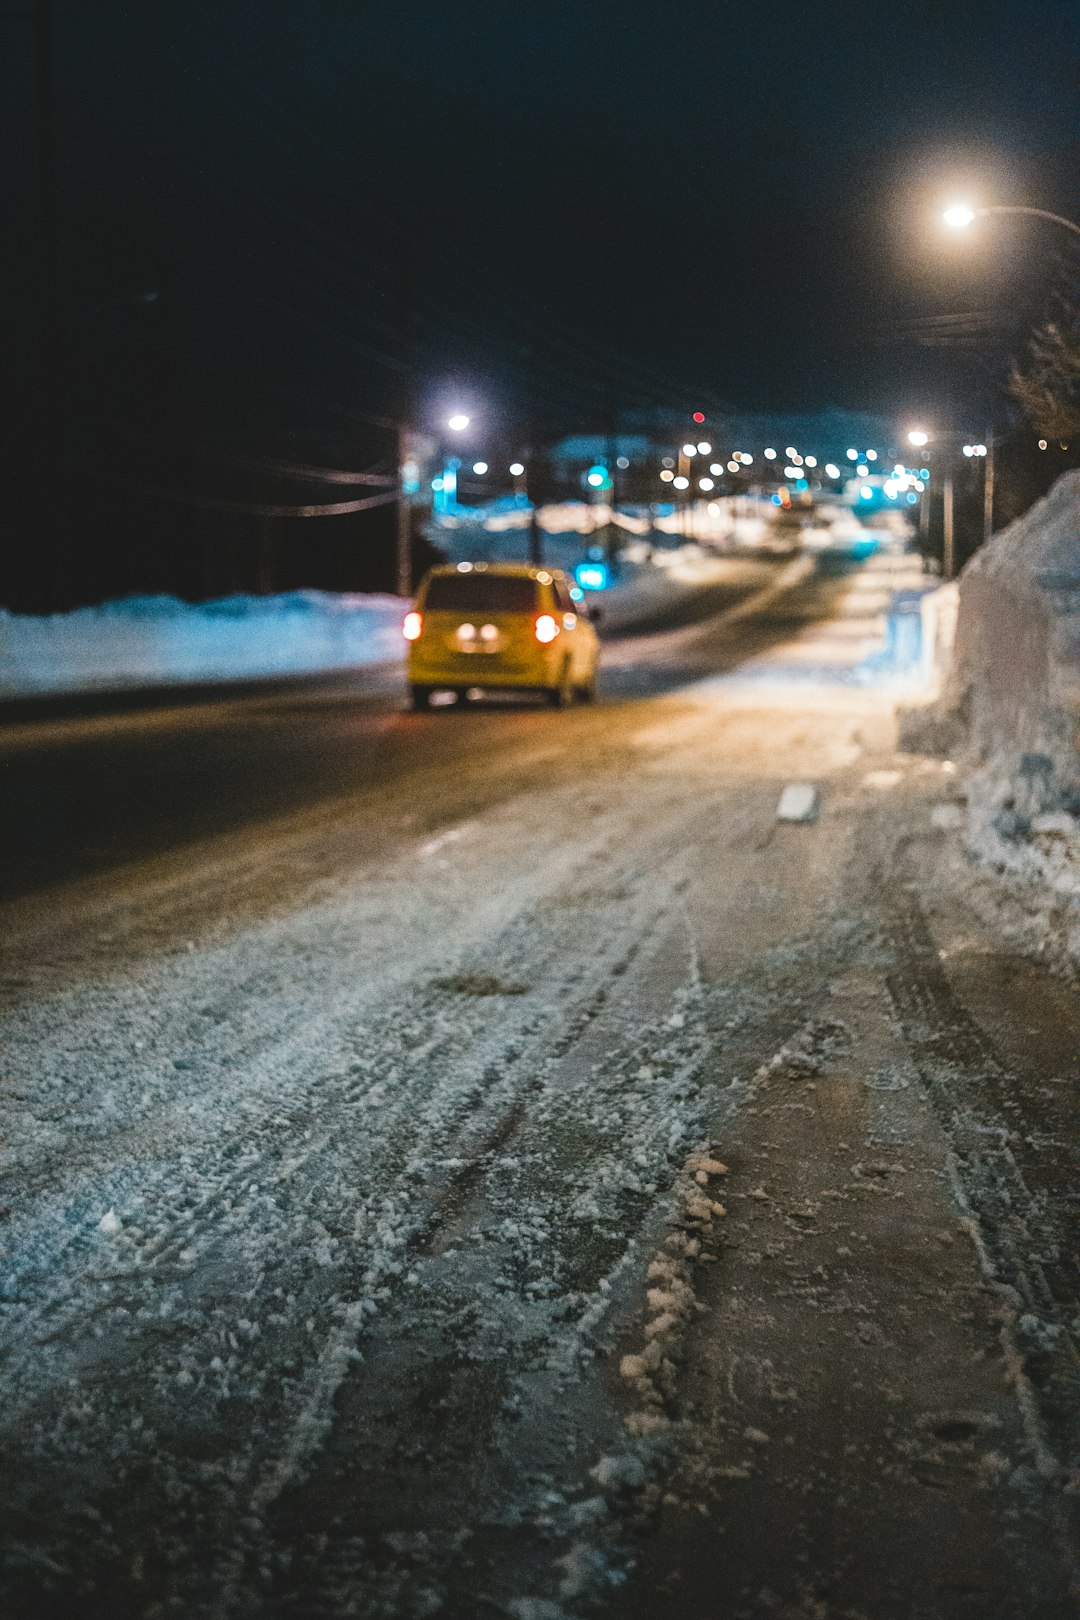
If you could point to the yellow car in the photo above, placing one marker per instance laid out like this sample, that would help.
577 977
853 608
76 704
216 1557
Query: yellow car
499 625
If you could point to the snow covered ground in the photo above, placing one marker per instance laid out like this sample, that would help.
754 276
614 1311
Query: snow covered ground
417 1197
160 641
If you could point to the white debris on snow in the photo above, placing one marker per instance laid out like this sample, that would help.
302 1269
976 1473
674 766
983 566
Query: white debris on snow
799 801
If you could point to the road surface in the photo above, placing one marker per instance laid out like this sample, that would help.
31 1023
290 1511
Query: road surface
483 1164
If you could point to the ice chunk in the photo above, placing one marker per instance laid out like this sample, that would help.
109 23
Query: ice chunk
110 1223
798 802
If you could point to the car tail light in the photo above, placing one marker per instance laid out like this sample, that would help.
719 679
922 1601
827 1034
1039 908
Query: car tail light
546 628
412 627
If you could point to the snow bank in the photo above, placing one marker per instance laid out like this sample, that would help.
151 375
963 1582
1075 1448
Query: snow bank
1010 710
158 640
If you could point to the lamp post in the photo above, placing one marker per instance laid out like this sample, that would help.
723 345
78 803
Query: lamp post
920 438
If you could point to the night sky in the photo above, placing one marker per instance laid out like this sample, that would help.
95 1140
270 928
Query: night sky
734 202
553 213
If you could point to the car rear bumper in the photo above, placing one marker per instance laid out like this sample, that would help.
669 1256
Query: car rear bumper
476 669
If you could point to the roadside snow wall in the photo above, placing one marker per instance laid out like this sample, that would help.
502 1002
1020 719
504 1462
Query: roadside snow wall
1010 711
1013 693
160 641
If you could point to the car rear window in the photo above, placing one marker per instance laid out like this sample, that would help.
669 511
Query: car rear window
481 593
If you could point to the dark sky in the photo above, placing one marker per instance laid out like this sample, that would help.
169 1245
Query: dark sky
675 203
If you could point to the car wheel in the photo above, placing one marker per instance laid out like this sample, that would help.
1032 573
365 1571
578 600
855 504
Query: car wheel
420 697
561 696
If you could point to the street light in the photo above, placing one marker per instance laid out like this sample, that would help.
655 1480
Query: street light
917 436
459 422
960 216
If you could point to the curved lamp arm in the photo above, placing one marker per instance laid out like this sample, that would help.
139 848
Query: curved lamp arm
1037 213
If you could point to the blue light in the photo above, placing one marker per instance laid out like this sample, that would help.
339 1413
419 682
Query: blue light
912 498
576 593
592 576
924 472
777 501
801 483
598 477
436 484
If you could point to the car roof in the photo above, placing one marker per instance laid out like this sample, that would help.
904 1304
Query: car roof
512 570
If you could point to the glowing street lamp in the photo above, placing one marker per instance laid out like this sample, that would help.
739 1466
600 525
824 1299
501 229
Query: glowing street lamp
917 436
959 216
458 422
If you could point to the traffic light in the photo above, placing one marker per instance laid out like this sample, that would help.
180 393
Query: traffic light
699 416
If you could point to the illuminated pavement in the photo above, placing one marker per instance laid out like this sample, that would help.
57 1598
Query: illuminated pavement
481 1163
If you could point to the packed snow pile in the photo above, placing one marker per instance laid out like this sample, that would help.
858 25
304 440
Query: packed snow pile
1011 705
159 640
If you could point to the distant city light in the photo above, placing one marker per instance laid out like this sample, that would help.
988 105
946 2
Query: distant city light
704 448
705 483
968 451
866 493
666 476
862 469
853 455
622 462
733 466
681 483
796 459
715 467
916 436
978 449
958 216
667 461
832 469
699 416
871 455
811 461
459 422
516 469
748 460
437 484
770 455
911 498
596 478
480 467
1042 444
689 450
791 453
792 472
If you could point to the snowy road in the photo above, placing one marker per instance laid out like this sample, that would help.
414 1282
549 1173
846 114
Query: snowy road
482 1164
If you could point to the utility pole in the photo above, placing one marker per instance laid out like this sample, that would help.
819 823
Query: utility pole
532 470
403 533
947 526
45 186
536 539
48 380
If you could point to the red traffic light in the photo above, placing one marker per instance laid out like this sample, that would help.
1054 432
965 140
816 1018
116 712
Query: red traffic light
699 416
